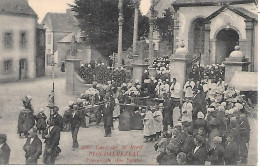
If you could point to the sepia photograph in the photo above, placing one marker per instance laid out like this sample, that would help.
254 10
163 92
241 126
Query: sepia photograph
129 82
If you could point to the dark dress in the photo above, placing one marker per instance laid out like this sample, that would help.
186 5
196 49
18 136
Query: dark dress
137 122
124 121
4 154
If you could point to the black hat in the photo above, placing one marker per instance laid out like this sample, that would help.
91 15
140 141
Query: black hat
3 137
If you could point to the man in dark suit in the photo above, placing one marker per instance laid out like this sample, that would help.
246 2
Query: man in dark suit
52 139
199 103
198 155
32 148
107 111
57 117
4 150
231 151
217 153
75 124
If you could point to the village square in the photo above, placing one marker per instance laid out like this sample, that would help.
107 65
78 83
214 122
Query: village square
106 83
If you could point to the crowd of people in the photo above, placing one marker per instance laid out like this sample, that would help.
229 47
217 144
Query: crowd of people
196 123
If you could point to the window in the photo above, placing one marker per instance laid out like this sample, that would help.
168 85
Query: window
23 40
8 39
42 39
199 36
49 38
8 64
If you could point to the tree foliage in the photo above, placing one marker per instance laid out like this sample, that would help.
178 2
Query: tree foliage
98 19
165 26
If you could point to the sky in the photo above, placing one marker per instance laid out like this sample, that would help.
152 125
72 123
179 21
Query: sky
41 7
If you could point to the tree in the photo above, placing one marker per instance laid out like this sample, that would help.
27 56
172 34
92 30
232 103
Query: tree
98 19
165 26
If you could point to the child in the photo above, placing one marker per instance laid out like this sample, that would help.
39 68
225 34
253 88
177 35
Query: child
41 121
158 122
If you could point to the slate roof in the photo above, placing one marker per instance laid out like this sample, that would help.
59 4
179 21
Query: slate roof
60 22
16 7
185 3
238 10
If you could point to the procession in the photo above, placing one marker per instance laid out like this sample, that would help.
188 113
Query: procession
182 91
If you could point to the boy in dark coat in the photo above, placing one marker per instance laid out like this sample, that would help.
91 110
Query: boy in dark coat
32 148
41 121
4 150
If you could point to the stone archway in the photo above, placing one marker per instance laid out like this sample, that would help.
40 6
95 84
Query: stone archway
226 40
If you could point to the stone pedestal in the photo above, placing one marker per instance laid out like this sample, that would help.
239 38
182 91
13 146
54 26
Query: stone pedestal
234 64
178 69
152 72
138 70
72 65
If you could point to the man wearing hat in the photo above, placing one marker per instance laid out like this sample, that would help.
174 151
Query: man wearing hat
75 122
32 148
107 111
52 139
56 117
199 103
4 150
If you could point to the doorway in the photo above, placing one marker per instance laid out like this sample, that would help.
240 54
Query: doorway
22 69
227 39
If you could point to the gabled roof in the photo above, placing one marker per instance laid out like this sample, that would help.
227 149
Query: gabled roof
16 7
60 22
187 3
240 11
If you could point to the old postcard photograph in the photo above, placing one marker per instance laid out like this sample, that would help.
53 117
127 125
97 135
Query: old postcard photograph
129 82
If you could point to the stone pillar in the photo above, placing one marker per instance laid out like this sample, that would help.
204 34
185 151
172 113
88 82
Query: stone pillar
72 65
136 3
178 64
249 42
175 32
138 63
235 62
151 24
120 33
206 57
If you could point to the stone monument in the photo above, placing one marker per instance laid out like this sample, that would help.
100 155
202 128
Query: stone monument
139 65
72 65
235 62
178 64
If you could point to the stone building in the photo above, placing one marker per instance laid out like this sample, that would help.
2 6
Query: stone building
58 25
213 28
18 46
